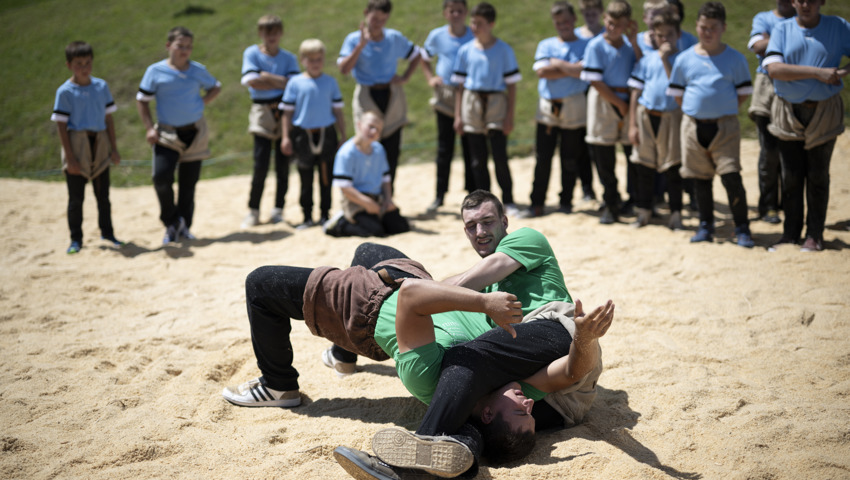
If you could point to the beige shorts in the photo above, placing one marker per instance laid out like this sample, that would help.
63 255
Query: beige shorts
394 118
91 163
762 98
604 124
198 150
443 100
568 112
482 112
661 151
723 154
264 120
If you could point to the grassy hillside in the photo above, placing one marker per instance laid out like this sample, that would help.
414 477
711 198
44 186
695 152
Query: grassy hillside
129 36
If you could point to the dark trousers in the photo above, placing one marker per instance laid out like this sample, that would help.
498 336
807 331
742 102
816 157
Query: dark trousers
368 225
262 158
736 195
805 173
646 187
445 153
573 152
605 158
165 162
308 163
77 193
770 168
274 295
392 143
499 148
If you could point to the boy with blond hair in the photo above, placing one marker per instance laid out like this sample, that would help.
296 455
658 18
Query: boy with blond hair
654 120
486 72
710 81
608 63
83 115
312 105
266 68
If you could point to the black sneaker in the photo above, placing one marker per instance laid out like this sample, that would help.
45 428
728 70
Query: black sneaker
607 217
363 466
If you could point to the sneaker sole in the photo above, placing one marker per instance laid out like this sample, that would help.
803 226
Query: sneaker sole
287 402
442 458
355 467
328 361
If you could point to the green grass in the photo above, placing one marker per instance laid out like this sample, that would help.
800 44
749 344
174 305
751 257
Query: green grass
129 36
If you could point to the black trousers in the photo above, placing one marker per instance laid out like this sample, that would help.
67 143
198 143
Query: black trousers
770 168
445 153
499 148
77 193
392 143
165 162
274 296
263 148
647 182
368 225
605 158
573 152
308 163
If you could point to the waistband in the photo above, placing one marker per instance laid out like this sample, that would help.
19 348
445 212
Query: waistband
807 104
186 128
656 113
620 89
312 130
265 101
379 86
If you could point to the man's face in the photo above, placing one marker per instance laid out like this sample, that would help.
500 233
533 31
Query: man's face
484 227
515 408
564 24
710 31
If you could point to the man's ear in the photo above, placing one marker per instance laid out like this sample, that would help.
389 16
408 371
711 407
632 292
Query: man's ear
487 415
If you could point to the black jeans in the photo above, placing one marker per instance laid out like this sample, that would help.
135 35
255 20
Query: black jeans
573 152
165 162
392 143
770 168
262 158
445 153
368 225
274 296
646 182
805 171
499 147
77 193
308 162
605 158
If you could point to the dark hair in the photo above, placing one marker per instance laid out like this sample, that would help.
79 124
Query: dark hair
678 4
485 11
446 3
501 444
176 32
714 10
78 49
618 9
666 17
385 6
562 7
478 197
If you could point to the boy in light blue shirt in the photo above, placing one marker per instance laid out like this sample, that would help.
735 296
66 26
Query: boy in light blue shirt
179 137
83 115
266 68
486 73
561 112
312 105
710 81
371 56
759 111
443 43
804 60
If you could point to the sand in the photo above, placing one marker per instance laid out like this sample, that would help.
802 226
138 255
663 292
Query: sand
722 362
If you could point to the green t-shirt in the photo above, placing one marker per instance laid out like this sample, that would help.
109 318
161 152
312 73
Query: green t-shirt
419 369
539 280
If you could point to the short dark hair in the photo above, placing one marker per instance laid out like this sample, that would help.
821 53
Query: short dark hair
714 10
446 3
385 6
176 32
478 197
78 49
678 4
666 17
485 11
559 8
501 444
618 9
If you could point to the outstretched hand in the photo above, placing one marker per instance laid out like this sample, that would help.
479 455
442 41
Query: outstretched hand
504 309
594 324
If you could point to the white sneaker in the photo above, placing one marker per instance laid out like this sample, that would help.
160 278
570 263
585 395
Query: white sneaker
511 210
252 219
277 215
342 369
330 227
441 456
254 394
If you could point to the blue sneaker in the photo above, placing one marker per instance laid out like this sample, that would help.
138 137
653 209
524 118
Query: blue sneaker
115 241
743 237
183 230
171 235
704 234
74 248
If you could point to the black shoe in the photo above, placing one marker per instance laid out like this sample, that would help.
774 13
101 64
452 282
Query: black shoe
437 203
307 224
363 466
607 217
772 216
565 209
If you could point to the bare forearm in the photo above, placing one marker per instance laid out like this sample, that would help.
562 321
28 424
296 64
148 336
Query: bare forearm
346 65
340 124
144 110
211 94
425 297
788 72
110 132
268 81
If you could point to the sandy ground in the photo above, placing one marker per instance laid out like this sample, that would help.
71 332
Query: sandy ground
722 362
